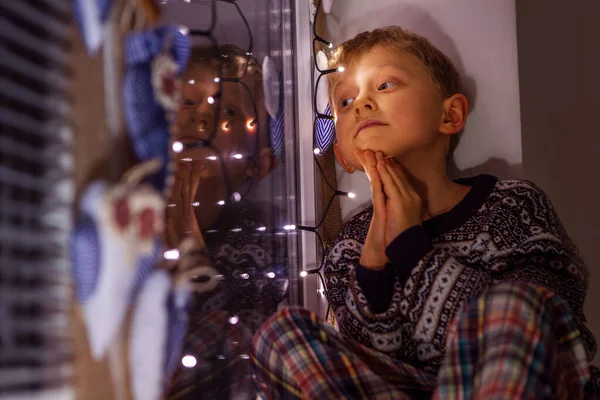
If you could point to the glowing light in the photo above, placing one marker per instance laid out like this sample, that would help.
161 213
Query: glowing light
236 230
238 156
271 275
303 274
220 277
250 124
289 227
191 81
245 276
187 1
236 197
184 30
317 151
261 228
188 361
211 100
212 231
225 126
341 69
330 45
351 195
212 158
177 146
196 204
245 356
234 319
172 254
171 205
221 202
221 357
217 80
187 159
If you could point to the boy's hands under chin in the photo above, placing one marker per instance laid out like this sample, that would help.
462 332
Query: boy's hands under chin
396 206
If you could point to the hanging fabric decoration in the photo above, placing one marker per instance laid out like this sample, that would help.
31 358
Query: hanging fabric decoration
91 17
149 331
324 131
115 247
324 128
272 89
154 61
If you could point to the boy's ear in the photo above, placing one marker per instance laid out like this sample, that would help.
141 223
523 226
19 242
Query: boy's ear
338 154
265 163
456 109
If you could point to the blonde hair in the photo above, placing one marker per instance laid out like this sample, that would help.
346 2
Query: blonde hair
439 67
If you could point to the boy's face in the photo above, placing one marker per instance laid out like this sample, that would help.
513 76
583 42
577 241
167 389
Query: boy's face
393 94
235 129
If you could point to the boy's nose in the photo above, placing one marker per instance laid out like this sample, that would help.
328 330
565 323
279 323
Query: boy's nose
362 105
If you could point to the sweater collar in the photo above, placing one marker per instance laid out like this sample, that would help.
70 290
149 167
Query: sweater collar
481 187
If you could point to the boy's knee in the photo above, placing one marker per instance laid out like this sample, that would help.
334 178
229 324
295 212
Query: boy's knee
279 325
512 300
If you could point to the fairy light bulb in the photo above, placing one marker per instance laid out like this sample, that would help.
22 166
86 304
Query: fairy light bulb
184 30
317 151
289 227
188 361
251 124
236 197
226 126
271 275
196 204
234 319
238 156
212 158
221 202
177 146
351 195
341 69
303 274
217 80
191 81
172 254
210 100
261 228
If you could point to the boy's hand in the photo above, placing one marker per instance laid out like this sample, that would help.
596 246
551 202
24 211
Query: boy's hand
373 253
404 207
396 206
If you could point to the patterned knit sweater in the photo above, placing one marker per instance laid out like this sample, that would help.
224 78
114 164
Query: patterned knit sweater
501 231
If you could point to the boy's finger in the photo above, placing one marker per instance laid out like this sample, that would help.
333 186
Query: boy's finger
398 176
377 192
407 187
389 186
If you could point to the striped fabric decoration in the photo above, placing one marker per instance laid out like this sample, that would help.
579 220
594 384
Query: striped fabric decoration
324 131
36 195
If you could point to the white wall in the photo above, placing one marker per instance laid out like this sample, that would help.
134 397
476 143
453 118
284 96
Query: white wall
480 38
559 65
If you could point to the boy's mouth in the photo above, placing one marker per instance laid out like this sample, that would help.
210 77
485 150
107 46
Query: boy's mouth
366 124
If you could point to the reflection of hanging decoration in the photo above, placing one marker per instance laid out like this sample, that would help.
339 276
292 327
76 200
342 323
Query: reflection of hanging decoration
92 17
115 246
154 60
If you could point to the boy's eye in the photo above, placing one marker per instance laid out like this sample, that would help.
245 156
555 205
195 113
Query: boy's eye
386 85
345 102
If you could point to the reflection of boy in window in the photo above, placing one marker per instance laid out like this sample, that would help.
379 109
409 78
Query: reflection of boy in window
207 202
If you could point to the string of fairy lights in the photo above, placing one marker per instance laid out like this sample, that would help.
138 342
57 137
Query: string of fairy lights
179 146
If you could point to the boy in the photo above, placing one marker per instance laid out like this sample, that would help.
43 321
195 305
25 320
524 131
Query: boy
466 288
246 279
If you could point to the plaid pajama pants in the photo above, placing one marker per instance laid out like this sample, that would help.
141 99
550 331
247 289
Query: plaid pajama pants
514 341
